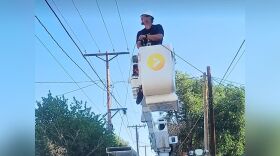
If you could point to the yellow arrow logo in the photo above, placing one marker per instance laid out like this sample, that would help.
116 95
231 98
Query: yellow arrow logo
156 61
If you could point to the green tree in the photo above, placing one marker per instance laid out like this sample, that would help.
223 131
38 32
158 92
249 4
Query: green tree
70 129
189 91
229 107
229 103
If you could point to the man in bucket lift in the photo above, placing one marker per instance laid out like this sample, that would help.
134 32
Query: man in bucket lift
150 35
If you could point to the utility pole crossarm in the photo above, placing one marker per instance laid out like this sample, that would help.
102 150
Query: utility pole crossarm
136 126
117 109
107 60
103 54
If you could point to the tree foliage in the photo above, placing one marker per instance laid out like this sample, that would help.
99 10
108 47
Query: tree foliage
229 108
70 129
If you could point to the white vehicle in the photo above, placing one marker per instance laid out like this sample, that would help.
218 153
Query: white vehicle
120 151
198 152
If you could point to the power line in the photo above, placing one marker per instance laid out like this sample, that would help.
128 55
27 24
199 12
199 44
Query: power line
122 24
59 11
60 82
86 26
192 128
122 78
76 46
235 64
129 129
189 132
79 47
75 90
69 82
226 81
183 59
129 74
120 127
76 63
72 29
74 42
80 88
115 91
120 68
67 53
232 61
109 36
116 99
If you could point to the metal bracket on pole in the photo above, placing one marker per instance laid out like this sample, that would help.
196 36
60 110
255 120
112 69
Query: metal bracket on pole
117 110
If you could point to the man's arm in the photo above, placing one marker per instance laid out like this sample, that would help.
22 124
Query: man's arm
158 36
138 42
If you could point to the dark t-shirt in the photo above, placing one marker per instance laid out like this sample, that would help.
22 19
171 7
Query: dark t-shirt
155 29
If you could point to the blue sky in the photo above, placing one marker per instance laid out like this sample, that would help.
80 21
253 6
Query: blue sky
203 33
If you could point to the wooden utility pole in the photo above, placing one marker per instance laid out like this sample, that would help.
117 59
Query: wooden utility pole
145 149
206 108
137 135
107 60
211 114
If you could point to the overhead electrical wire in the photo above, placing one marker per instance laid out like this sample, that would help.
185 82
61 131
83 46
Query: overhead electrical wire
185 139
110 39
66 82
80 50
129 129
232 61
75 90
86 26
183 59
67 73
109 36
113 45
120 127
124 34
216 79
61 82
74 42
122 24
73 30
67 23
114 91
201 70
67 53
105 25
235 64
77 47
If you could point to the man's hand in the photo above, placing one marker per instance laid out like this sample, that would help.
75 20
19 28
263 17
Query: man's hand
141 37
139 44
